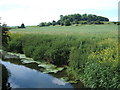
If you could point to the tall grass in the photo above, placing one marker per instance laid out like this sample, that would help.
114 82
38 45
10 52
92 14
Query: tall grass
91 57
51 48
98 67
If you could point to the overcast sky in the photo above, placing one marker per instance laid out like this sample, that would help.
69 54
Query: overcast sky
32 12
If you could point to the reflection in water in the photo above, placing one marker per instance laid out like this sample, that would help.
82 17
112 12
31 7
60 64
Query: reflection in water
58 82
8 86
23 77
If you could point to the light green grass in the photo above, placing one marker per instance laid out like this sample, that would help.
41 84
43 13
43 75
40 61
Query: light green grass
71 30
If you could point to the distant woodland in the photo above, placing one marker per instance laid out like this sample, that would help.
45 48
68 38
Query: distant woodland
72 19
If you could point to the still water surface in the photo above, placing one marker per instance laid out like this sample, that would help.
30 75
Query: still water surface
24 77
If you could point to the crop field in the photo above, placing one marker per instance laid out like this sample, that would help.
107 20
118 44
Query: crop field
90 52
70 30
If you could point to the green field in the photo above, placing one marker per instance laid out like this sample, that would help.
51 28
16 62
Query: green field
70 30
90 52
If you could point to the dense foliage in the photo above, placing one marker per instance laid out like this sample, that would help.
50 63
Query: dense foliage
48 48
22 26
68 20
99 67
76 18
5 34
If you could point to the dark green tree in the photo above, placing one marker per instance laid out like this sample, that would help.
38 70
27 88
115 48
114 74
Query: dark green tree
79 19
84 17
5 34
49 23
67 22
22 25
53 22
42 24
59 22
61 17
76 22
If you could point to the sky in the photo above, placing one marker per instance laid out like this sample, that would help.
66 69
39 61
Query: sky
32 12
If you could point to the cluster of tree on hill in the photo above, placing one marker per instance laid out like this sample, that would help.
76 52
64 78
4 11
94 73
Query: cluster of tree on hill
68 20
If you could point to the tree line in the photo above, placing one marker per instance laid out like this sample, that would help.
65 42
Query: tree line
72 19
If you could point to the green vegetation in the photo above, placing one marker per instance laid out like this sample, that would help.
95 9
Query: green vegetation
86 30
97 65
5 34
89 51
72 19
22 26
